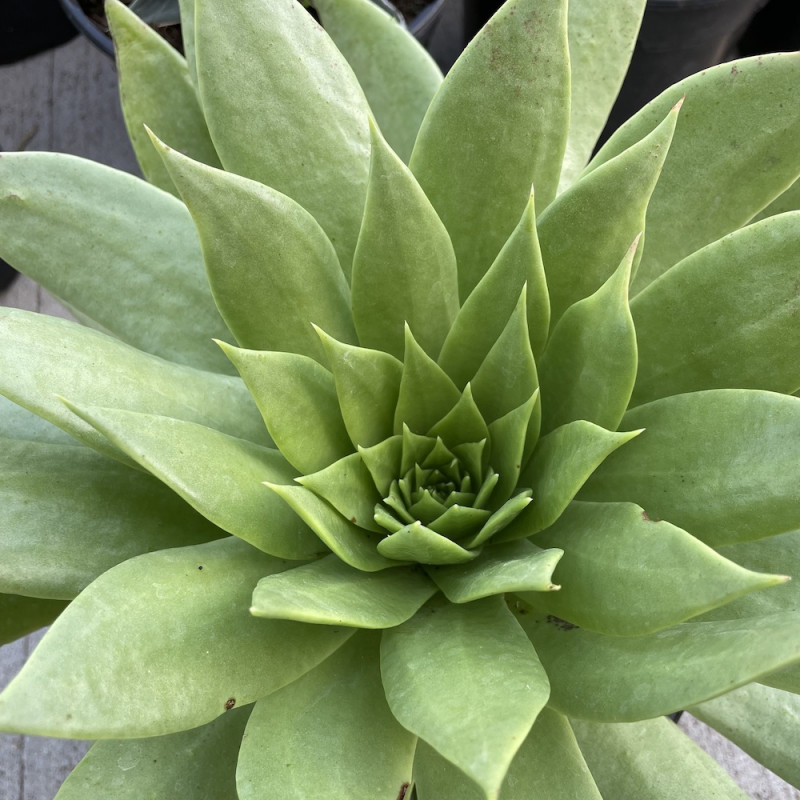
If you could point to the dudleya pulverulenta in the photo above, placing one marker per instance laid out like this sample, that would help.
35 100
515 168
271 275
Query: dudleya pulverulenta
478 482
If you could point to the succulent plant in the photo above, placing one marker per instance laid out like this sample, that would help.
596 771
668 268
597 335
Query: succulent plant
478 485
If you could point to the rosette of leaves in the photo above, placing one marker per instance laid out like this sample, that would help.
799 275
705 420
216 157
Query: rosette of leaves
476 485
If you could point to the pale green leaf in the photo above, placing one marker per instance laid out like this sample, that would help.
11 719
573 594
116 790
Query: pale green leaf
287 110
273 271
20 616
501 518
187 36
17 422
724 316
383 460
398 76
160 644
329 592
626 575
466 680
288 745
463 423
721 464
142 278
422 545
513 439
513 78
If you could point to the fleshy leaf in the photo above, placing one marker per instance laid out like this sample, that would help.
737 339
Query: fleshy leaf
466 680
157 90
589 367
179 648
297 400
20 616
591 675
220 476
90 514
404 268
288 86
187 36
511 567
463 423
383 462
624 758
272 269
20 424
513 77
142 280
587 230
415 542
720 464
329 592
513 438
44 358
398 76
287 744
625 575
724 316
199 764
501 518
710 154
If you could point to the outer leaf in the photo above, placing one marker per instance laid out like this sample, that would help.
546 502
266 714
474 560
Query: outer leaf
738 119
43 358
762 721
404 268
624 758
156 89
70 514
20 616
724 316
464 678
272 269
593 676
513 77
589 367
178 648
287 745
17 422
329 592
549 764
199 764
141 280
288 86
220 476
398 76
587 230
625 575
721 464
297 399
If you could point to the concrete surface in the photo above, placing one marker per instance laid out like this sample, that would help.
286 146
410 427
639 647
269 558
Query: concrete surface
66 101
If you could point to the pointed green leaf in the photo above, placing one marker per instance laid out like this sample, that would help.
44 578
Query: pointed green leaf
739 118
20 616
329 592
501 518
563 460
367 385
355 546
18 423
398 76
414 542
383 462
724 316
458 521
624 759
625 575
426 393
463 423
404 268
591 675
513 438
513 77
721 464
466 680
218 475
589 367
297 400
762 721
598 60
511 567
142 280
160 644
199 764
156 90
287 744
272 269
548 764
44 358
587 230
289 86
69 514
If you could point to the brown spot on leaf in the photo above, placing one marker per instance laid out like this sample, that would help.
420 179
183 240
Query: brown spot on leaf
561 624
230 703
403 791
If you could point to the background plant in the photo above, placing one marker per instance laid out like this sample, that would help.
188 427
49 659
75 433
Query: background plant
539 361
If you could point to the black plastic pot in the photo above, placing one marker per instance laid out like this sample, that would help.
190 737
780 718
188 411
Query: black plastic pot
28 27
